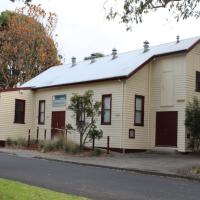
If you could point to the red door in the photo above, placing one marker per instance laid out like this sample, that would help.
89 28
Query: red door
57 123
166 128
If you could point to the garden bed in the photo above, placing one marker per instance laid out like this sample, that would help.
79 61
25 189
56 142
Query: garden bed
60 145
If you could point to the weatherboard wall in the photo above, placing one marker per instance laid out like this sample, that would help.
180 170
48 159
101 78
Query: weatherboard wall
9 129
168 75
136 85
109 87
192 65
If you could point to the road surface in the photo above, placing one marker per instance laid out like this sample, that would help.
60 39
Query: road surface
96 183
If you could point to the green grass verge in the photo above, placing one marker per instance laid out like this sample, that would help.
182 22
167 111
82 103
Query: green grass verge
12 190
196 170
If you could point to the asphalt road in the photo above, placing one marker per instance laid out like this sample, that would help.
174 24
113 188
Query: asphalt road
96 183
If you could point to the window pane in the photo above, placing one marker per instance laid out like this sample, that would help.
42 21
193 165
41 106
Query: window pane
81 117
42 117
107 102
138 117
139 104
20 106
42 106
198 81
19 111
107 116
59 100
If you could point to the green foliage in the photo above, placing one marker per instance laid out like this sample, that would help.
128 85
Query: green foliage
10 142
19 142
59 144
97 55
52 145
97 152
196 170
4 18
12 190
129 11
192 123
70 147
86 112
49 146
25 1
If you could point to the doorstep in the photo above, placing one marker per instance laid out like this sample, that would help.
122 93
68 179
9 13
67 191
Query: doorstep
164 150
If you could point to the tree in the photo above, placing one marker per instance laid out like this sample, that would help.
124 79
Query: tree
27 47
25 1
192 123
129 11
97 55
86 112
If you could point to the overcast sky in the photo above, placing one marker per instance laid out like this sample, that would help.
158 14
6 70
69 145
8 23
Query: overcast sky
82 28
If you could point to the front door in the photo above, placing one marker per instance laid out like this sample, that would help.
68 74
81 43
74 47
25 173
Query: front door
166 128
57 123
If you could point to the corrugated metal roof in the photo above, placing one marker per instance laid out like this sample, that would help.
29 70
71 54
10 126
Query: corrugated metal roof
106 67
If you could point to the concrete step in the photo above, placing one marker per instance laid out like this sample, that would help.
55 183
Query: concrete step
164 150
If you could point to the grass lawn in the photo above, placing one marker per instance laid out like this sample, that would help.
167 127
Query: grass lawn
196 170
11 190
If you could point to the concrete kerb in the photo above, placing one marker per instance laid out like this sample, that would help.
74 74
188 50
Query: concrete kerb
148 172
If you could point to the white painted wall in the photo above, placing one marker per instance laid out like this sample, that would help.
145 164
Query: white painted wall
9 129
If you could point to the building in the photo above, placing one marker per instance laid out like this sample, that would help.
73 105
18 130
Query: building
145 92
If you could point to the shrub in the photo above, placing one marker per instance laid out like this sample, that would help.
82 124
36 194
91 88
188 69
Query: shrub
41 144
48 146
97 152
192 123
196 170
9 142
59 142
21 142
70 147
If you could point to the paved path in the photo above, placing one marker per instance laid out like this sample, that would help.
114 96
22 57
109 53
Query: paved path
96 183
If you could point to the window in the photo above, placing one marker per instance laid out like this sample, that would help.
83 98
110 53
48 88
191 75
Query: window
197 81
80 117
41 112
59 100
19 111
132 133
106 109
139 110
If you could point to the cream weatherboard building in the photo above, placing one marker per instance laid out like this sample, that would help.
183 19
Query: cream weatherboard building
144 94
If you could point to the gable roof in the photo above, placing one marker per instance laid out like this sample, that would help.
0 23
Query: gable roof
106 68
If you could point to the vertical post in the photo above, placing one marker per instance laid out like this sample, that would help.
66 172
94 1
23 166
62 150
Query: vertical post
108 144
93 141
45 134
29 137
37 135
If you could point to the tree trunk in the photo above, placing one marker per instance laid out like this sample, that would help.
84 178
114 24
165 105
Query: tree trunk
81 142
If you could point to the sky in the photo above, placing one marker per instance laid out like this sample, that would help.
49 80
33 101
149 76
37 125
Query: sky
82 28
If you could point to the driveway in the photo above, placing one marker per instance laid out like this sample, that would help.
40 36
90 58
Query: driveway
96 183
